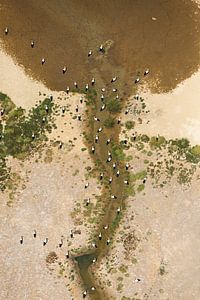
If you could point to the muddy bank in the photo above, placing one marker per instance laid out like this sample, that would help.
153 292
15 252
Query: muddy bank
160 35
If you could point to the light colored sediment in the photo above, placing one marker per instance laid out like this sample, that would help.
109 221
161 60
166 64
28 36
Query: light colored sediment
23 90
45 202
175 114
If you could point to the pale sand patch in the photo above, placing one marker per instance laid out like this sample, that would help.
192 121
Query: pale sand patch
22 89
175 114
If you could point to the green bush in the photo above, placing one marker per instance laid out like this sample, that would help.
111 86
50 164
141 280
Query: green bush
113 106
129 124
109 122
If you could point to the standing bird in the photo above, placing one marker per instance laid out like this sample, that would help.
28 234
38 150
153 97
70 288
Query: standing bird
96 119
114 166
71 234
67 254
67 90
60 243
110 180
34 233
108 142
119 120
64 70
137 80
93 81
118 210
102 107
102 97
75 84
108 242
21 240
43 61
100 236
6 30
96 138
45 241
86 185
101 176
89 53
113 79
86 87
32 44
146 72
127 166
88 202
117 174
84 293
93 149
101 49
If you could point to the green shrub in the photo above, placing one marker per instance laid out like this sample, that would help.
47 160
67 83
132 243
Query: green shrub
109 122
113 106
129 124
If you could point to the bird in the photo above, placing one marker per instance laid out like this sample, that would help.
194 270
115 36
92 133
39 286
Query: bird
101 49
114 90
103 90
146 72
60 145
86 185
75 84
103 107
71 234
93 288
94 260
64 70
21 240
61 243
96 138
117 174
88 202
45 241
67 90
108 242
109 158
94 245
32 44
84 293
34 233
89 53
113 197
96 119
113 79
93 81
67 254
86 87
101 176
108 142
137 80
102 97
119 120
33 136
93 149
6 30
100 236
105 227
118 210
110 180
43 61
114 166
100 129
126 182
127 166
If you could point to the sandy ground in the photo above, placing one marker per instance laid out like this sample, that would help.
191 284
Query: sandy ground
164 223
44 201
175 114
23 90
